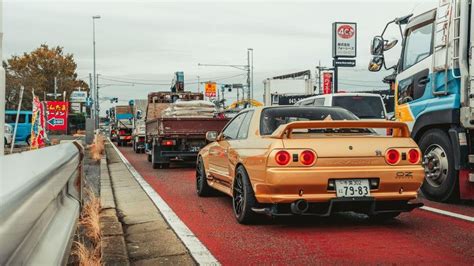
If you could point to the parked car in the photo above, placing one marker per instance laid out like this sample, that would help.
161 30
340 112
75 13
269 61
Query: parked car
8 134
23 132
363 105
291 160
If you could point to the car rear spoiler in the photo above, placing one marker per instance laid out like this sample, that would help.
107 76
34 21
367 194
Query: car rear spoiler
287 129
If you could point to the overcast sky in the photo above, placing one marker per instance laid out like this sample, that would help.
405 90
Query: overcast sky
147 41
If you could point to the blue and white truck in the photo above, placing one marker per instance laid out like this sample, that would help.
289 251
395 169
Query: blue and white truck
434 92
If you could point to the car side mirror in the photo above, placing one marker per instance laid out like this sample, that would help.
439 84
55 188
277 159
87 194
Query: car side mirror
211 136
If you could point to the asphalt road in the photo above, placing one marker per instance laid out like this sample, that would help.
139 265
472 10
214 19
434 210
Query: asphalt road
419 237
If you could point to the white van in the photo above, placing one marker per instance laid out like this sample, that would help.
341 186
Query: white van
363 105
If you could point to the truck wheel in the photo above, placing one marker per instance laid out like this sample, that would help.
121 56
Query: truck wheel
440 182
202 187
154 164
134 147
243 198
148 157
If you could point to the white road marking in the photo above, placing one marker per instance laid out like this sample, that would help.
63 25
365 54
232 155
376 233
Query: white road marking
448 213
199 252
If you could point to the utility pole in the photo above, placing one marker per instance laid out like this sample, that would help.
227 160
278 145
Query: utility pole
94 103
250 63
91 88
2 88
248 68
97 108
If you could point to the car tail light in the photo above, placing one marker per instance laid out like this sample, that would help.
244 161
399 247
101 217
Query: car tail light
282 157
414 156
122 132
168 142
113 132
389 131
392 156
307 157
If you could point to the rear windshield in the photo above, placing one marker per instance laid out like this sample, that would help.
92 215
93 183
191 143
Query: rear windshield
272 118
364 107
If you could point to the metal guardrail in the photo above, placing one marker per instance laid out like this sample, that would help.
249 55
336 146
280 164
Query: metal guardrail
40 195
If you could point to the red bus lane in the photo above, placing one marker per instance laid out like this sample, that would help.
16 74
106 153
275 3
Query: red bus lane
417 237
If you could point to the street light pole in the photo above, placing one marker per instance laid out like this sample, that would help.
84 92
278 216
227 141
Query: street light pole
94 75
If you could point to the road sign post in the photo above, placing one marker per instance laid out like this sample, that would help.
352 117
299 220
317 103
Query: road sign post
344 45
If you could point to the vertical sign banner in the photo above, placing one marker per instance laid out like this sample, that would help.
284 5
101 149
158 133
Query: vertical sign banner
38 125
344 39
57 115
210 89
327 82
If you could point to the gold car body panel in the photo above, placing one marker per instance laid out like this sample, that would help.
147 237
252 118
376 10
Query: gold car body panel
338 157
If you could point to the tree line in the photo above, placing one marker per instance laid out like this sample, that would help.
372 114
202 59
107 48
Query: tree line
37 70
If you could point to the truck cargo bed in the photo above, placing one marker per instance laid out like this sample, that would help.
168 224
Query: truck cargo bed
184 126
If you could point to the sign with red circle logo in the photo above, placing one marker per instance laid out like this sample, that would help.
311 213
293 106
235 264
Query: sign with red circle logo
344 39
345 31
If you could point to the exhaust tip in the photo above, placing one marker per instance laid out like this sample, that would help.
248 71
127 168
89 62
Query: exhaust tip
299 206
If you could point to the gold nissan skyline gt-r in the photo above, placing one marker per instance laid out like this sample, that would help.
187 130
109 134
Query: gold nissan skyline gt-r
310 161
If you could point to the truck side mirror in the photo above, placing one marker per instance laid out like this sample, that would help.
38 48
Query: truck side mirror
139 114
376 63
211 136
377 46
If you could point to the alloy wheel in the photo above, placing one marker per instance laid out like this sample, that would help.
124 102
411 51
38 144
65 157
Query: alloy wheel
238 192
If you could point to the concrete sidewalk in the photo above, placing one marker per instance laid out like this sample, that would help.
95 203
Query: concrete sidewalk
148 238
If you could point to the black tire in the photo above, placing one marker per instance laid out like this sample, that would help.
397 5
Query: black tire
148 157
384 216
243 198
28 140
440 184
154 164
134 147
202 187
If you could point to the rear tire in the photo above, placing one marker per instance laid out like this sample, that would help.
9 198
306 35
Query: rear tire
202 187
243 198
441 179
148 157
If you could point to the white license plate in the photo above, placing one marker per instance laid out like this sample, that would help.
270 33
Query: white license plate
194 149
351 188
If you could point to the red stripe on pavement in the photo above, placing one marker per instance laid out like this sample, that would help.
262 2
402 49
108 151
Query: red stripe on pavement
417 237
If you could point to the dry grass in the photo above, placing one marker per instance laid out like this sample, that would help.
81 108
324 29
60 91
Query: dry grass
90 218
87 256
97 148
88 251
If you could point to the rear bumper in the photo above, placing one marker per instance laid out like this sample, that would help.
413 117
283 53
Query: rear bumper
366 205
180 154
286 185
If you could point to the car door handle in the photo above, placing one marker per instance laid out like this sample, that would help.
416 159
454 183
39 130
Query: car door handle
424 81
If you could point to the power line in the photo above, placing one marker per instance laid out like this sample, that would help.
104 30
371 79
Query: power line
164 84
